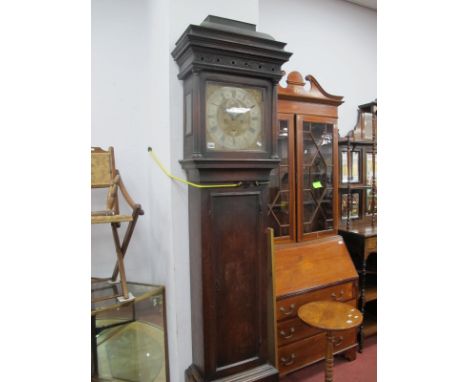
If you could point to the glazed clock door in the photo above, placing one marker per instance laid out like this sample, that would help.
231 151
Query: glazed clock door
281 205
315 180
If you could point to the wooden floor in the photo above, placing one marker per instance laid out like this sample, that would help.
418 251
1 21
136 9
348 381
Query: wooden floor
363 369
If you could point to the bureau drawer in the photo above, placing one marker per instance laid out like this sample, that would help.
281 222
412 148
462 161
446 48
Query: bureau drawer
295 329
310 350
288 307
371 244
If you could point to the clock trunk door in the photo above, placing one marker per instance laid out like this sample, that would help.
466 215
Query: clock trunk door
237 303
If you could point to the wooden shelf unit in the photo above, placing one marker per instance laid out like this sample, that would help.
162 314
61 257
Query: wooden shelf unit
358 208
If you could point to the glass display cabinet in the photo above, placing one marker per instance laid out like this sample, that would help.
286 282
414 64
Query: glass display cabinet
302 188
358 209
128 340
358 169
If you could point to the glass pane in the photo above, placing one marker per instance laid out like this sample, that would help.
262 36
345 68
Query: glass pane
367 125
279 204
344 167
369 202
369 173
128 339
355 158
355 166
354 210
317 177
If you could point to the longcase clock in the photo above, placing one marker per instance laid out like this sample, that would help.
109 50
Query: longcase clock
230 74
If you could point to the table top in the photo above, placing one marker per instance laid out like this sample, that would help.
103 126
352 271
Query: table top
330 315
364 229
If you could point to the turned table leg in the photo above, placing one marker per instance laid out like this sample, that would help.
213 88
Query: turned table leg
329 358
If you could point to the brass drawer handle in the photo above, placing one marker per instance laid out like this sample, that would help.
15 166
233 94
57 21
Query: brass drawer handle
338 340
291 333
290 361
290 311
338 298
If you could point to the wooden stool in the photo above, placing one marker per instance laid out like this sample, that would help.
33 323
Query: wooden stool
330 316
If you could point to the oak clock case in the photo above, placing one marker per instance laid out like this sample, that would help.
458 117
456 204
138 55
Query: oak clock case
230 74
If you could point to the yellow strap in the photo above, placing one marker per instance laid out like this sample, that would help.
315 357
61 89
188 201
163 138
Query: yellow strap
155 158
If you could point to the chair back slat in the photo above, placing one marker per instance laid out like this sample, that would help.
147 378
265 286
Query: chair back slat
102 167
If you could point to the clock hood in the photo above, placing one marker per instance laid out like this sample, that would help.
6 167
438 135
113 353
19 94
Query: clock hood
225 45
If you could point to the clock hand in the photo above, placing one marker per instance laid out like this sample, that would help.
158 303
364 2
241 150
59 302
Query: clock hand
231 114
246 109
238 109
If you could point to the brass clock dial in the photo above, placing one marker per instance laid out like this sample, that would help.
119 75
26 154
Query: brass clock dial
234 118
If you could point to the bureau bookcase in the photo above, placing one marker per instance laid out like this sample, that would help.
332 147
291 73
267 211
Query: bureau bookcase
311 260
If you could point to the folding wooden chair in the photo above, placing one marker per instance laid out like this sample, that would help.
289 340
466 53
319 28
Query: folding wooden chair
105 175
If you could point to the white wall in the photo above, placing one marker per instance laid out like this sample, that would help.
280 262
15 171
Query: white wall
122 115
130 103
333 40
137 102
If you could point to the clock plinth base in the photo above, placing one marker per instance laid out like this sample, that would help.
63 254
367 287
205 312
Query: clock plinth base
263 373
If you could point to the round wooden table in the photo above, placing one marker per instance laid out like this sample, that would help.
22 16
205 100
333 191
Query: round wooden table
330 316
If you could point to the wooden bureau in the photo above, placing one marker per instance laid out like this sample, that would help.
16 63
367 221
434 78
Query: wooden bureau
311 271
